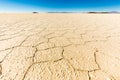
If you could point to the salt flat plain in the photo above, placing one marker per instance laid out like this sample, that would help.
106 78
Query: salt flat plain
59 46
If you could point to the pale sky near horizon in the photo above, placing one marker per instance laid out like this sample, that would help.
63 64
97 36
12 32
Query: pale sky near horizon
59 5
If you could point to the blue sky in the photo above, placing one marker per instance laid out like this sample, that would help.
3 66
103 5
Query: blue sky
59 5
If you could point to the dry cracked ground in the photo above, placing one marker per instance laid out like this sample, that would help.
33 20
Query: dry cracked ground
59 46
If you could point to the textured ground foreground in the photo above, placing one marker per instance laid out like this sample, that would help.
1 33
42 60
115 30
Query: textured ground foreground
59 47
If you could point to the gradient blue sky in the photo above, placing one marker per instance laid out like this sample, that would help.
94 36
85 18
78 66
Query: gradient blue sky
59 5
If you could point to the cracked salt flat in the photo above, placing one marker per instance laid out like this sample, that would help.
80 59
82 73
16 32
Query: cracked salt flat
59 47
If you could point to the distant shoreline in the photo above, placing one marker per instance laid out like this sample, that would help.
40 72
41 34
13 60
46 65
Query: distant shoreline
60 12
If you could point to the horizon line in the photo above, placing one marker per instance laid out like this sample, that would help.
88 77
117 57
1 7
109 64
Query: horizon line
65 12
